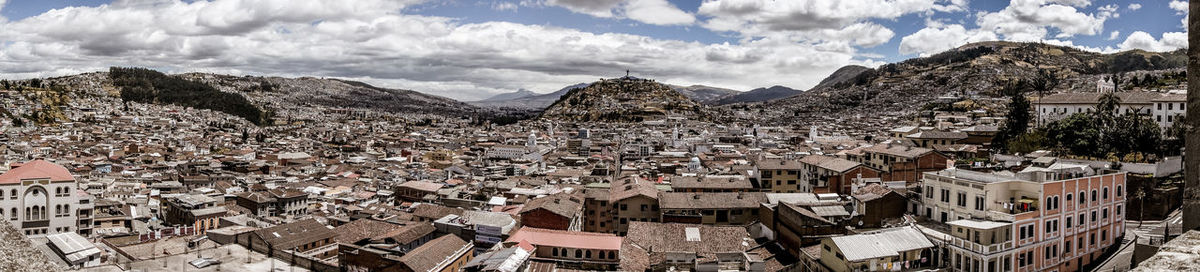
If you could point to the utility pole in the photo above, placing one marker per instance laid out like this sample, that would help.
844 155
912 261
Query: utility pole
1191 164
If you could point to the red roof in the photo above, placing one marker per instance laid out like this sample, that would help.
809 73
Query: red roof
567 239
38 169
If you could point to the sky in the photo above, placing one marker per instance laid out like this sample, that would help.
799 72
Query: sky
470 50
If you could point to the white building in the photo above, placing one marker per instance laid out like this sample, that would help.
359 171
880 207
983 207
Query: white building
1163 108
39 198
74 249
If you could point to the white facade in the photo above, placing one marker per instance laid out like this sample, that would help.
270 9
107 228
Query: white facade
38 204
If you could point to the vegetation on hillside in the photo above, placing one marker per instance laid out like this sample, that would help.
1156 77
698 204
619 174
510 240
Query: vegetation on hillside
149 86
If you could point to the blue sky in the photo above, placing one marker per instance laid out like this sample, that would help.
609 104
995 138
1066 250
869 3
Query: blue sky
473 49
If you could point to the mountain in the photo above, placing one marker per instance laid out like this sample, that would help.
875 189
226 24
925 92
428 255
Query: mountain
623 100
977 69
522 93
704 94
534 102
758 95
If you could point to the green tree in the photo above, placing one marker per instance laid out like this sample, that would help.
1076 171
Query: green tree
1017 119
1077 134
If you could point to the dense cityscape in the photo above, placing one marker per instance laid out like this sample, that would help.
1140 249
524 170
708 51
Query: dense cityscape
984 156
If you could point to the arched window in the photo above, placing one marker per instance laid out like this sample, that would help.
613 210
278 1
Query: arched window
58 191
612 255
1 194
1093 195
28 212
14 213
1082 197
1105 192
57 210
66 209
1119 192
1068 197
588 254
578 253
14 194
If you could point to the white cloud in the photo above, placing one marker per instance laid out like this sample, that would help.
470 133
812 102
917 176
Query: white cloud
1135 6
1180 7
375 41
932 40
1141 40
1114 35
657 12
597 8
504 6
1030 20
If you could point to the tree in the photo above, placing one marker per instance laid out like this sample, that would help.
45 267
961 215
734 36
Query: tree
1140 195
1078 134
1175 136
1017 119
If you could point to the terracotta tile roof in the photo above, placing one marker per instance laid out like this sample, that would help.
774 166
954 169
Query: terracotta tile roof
434 254
898 150
831 163
658 239
434 211
682 200
711 182
567 239
294 234
778 164
407 234
362 229
630 187
38 169
566 205
424 186
937 134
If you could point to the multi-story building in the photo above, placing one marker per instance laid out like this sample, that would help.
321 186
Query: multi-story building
900 162
1041 219
780 175
824 174
199 211
39 198
1164 108
597 214
738 208
632 199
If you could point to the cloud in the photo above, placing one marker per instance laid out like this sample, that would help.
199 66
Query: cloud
377 42
932 40
657 12
1180 7
1135 6
504 6
1030 20
597 8
1114 35
1141 40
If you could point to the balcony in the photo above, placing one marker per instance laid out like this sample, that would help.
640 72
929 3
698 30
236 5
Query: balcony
979 248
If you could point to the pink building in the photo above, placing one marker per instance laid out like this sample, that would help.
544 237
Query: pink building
1059 218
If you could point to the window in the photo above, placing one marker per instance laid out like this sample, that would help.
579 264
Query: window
1082 197
929 192
1068 197
1093 195
978 203
1118 211
1103 235
1119 191
1081 242
1105 213
1067 246
1093 216
946 195
962 199
587 254
1105 193
14 194
645 207
1068 221
624 207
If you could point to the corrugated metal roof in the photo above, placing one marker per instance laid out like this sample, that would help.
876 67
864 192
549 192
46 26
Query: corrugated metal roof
881 244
